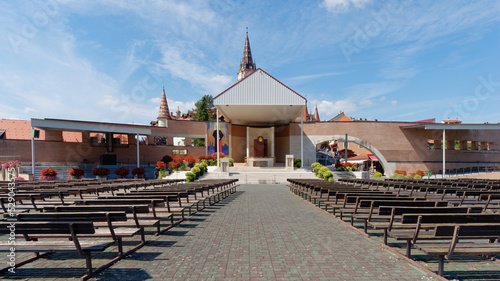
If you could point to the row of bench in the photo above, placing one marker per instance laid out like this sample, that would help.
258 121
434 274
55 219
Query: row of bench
92 222
431 220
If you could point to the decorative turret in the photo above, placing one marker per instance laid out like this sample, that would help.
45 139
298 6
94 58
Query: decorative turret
164 114
247 65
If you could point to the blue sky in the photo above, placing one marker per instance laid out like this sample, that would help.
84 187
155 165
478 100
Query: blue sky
388 60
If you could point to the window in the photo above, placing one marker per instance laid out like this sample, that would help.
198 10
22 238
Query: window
179 152
178 141
160 141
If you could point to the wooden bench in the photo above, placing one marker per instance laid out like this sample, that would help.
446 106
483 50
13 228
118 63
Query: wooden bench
139 214
73 229
389 215
455 247
418 222
109 229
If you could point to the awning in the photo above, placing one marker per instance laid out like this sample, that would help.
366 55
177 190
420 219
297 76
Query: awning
373 157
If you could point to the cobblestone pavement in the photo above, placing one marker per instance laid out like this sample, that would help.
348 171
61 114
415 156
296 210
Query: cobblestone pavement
262 232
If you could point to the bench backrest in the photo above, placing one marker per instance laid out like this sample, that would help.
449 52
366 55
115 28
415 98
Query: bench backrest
451 218
131 202
143 209
73 217
391 202
383 210
48 227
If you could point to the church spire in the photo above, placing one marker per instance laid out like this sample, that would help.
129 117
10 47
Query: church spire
316 114
247 65
164 113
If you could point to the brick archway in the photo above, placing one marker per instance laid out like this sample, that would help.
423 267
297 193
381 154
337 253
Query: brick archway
387 168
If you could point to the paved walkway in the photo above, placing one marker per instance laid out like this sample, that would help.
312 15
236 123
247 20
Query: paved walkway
262 232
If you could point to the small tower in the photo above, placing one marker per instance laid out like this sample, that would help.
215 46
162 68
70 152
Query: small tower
164 114
316 114
247 65
178 113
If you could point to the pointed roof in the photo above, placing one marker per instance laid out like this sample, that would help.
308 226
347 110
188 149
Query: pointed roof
164 113
341 117
247 61
247 64
316 114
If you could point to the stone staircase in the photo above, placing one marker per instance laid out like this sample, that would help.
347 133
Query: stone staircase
261 175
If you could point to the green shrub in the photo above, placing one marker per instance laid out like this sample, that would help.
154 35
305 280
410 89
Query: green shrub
196 171
377 175
323 171
231 162
190 177
315 164
417 177
297 162
327 174
340 169
316 168
330 179
183 166
211 162
398 176
354 168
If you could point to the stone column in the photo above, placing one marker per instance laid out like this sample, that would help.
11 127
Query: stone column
450 145
474 145
463 145
437 144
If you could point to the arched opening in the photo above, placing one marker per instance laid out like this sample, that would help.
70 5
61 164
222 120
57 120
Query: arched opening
320 143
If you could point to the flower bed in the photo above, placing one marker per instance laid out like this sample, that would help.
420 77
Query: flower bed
122 172
101 172
48 174
139 172
76 173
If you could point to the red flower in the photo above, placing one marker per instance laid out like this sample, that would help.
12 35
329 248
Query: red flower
101 172
161 165
190 159
49 172
178 159
201 157
138 171
76 172
173 165
122 172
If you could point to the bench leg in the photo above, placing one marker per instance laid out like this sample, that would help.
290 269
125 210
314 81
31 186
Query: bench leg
88 261
385 236
441 265
408 249
120 245
366 226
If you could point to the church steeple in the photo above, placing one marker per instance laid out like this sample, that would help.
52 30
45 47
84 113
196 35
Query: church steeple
247 65
164 113
316 114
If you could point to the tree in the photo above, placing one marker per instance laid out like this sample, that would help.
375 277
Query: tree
205 109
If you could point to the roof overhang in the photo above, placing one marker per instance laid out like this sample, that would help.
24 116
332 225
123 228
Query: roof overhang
440 126
260 100
87 126
260 115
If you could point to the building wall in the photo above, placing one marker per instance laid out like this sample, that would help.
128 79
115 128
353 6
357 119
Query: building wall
67 153
404 149
238 143
282 139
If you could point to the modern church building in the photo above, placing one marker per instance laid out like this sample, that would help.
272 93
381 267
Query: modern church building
263 121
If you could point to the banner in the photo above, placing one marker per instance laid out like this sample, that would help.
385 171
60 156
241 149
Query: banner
223 138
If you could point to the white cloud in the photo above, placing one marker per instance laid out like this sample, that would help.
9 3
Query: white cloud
192 70
297 80
394 102
340 6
